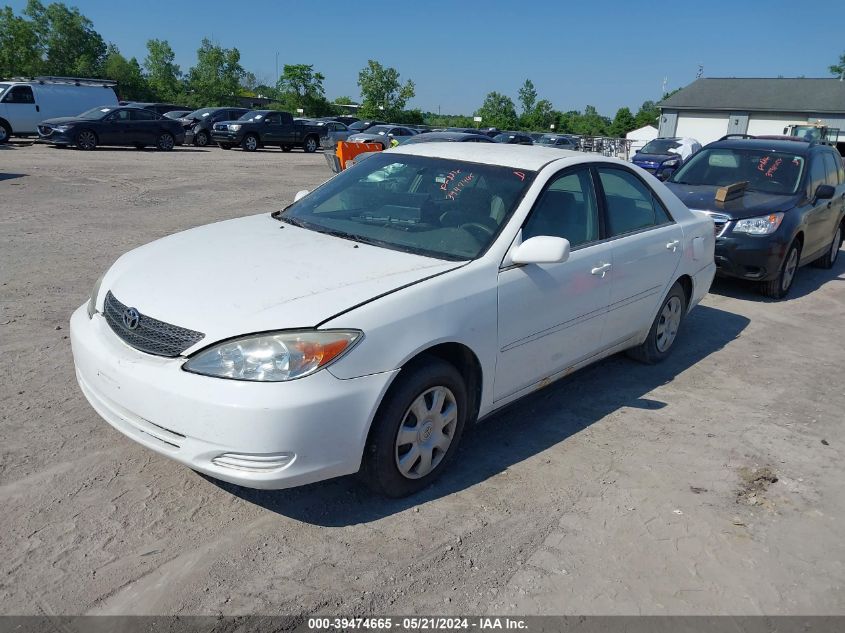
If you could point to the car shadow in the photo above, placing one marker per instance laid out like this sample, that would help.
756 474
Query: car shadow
808 279
11 176
517 432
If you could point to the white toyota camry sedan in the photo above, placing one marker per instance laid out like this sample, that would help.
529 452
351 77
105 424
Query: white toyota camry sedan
366 325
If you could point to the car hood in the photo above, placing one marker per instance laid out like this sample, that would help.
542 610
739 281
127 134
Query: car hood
652 158
256 274
64 120
749 205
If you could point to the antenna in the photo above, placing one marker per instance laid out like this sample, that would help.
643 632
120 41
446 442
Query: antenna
665 81
700 72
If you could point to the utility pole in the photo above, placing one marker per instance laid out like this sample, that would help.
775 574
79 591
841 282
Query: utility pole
277 65
665 82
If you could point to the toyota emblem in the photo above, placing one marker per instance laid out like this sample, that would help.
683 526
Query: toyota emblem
131 318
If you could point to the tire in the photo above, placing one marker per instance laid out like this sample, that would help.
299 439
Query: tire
86 140
310 145
165 142
201 138
664 330
286 148
250 143
421 386
5 132
224 146
779 287
829 258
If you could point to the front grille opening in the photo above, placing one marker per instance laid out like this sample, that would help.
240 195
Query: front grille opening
151 335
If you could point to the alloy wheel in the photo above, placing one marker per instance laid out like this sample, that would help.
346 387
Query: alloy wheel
789 270
667 326
201 139
837 242
4 135
426 432
310 145
165 142
86 140
251 143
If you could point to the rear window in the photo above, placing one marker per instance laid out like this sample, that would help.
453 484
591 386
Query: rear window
764 170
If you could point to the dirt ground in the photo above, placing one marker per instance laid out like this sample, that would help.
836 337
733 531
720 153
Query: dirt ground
710 484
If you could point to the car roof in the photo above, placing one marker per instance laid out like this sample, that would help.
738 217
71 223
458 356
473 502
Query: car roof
776 145
528 157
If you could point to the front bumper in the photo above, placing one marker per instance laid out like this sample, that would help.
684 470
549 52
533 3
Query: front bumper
757 258
233 138
55 137
258 435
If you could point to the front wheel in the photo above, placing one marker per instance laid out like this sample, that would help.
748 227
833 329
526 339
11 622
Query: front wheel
86 140
310 145
664 329
779 287
417 428
250 143
5 132
201 139
165 142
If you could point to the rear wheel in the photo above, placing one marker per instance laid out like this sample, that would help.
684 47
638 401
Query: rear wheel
417 428
165 142
310 145
250 143
5 132
201 138
664 330
779 287
86 140
829 258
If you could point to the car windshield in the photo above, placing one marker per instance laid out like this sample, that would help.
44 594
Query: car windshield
436 207
95 114
200 114
378 129
660 146
3 88
252 114
763 169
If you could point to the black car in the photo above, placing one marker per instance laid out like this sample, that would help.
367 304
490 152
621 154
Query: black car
260 128
109 125
199 123
514 138
452 137
785 209
657 157
161 108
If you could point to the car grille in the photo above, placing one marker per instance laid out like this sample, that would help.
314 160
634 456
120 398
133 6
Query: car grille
221 127
150 335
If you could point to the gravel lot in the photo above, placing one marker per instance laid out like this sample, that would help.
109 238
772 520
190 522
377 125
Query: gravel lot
712 483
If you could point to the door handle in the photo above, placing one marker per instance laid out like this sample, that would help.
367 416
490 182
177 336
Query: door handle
37 108
600 270
673 245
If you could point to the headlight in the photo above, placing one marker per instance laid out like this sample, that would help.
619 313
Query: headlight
235 127
92 302
61 128
764 225
274 357
672 162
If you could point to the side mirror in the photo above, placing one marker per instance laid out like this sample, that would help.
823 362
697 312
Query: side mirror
542 249
825 192
300 195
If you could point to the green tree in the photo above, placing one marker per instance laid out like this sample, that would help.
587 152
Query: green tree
344 100
646 115
382 94
20 53
163 74
838 69
499 111
302 87
216 78
131 83
540 117
67 41
623 122
527 96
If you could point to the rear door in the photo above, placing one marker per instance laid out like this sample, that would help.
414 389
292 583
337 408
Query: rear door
143 127
22 111
647 249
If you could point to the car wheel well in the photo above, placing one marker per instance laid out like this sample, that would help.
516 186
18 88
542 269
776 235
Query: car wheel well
800 239
686 284
466 362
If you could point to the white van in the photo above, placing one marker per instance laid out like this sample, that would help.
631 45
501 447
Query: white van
24 104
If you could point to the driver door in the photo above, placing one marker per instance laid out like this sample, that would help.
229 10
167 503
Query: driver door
552 316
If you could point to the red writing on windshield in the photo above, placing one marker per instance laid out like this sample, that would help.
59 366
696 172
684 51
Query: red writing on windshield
763 166
459 187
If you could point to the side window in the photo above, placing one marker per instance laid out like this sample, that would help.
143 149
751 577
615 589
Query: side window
567 208
119 115
818 175
631 205
832 169
141 115
19 94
